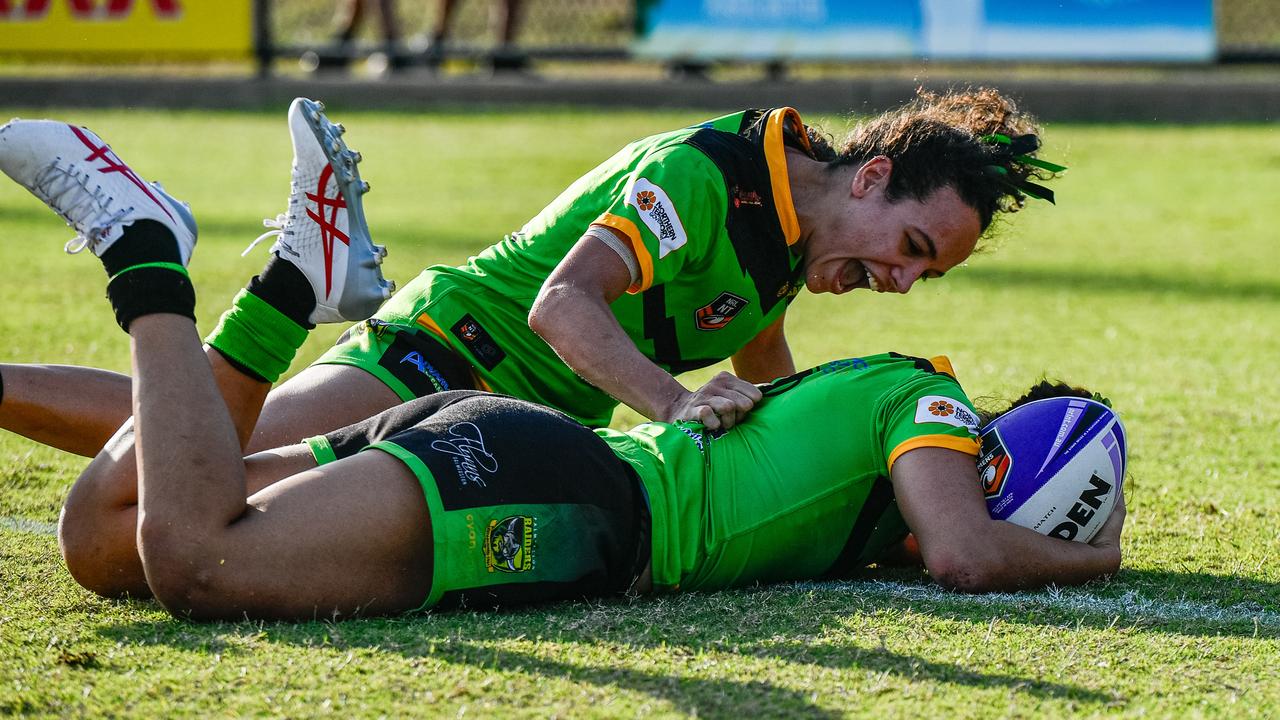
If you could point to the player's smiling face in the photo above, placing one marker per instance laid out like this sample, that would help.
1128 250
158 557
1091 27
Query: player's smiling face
866 241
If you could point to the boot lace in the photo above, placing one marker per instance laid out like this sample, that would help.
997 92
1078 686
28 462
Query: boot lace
86 210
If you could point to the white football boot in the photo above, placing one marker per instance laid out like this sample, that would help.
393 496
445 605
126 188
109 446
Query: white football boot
323 232
78 175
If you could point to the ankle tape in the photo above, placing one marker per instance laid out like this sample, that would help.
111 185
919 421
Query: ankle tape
257 337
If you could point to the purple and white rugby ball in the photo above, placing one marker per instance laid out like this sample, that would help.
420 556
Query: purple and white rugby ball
1054 466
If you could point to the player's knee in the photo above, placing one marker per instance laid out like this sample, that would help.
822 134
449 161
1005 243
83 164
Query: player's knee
95 565
99 548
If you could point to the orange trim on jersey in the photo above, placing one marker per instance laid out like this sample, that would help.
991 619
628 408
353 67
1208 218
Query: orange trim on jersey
776 156
430 326
942 364
632 234
425 321
968 446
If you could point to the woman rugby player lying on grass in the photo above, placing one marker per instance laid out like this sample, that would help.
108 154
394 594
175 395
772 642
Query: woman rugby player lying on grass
471 498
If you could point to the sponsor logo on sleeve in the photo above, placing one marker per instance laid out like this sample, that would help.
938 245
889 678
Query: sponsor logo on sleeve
509 544
717 313
949 411
658 214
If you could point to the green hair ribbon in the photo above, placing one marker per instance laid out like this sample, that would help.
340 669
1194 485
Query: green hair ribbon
1019 150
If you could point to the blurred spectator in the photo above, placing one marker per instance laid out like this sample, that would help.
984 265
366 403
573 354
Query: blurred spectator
503 18
347 20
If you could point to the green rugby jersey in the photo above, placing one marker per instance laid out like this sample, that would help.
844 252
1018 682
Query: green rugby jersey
801 489
707 210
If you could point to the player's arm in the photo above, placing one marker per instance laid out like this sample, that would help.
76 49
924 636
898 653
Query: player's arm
766 357
572 314
965 549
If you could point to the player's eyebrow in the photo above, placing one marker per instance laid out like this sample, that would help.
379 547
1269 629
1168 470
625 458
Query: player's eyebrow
933 248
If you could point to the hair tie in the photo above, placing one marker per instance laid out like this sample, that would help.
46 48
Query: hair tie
1019 149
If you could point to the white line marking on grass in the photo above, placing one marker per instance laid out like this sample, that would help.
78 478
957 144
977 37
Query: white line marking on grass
34 527
1130 606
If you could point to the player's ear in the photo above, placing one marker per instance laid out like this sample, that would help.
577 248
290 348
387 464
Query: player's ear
874 174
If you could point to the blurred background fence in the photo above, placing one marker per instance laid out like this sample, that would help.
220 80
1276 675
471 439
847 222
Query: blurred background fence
1247 30
1221 59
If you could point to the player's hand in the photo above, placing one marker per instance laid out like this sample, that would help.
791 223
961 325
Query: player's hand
718 405
1109 534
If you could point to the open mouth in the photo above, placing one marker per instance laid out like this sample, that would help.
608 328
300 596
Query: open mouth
853 275
856 276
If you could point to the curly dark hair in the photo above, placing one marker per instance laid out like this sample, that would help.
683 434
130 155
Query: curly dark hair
1040 391
937 140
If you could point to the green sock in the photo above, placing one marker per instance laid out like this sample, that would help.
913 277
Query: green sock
256 338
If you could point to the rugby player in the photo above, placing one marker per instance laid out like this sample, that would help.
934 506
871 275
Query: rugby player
683 249
468 498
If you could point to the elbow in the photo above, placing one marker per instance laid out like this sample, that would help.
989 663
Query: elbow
551 311
1111 564
177 568
966 572
543 311
538 318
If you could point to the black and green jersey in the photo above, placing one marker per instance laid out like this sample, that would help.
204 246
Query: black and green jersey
707 211
801 490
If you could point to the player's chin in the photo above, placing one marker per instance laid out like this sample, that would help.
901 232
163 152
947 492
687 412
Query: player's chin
829 282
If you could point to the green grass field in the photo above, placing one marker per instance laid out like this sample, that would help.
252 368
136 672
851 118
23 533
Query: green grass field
1154 281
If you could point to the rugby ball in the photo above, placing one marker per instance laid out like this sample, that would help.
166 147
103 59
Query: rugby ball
1053 465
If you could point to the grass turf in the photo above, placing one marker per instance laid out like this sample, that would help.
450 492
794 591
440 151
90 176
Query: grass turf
1154 282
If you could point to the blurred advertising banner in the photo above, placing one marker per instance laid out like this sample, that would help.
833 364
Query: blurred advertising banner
126 29
1067 30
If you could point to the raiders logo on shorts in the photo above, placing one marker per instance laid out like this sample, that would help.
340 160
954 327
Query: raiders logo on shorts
719 312
509 544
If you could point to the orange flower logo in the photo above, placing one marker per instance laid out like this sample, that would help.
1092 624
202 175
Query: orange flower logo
942 408
646 199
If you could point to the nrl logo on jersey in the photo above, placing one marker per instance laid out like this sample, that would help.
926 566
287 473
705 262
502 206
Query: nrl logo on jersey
717 313
658 214
742 197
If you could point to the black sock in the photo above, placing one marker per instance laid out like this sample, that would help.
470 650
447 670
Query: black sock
1 389
145 241
283 286
136 291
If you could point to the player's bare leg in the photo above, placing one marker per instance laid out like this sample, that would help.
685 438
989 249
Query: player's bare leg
74 409
97 529
351 536
320 399
99 517
78 409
